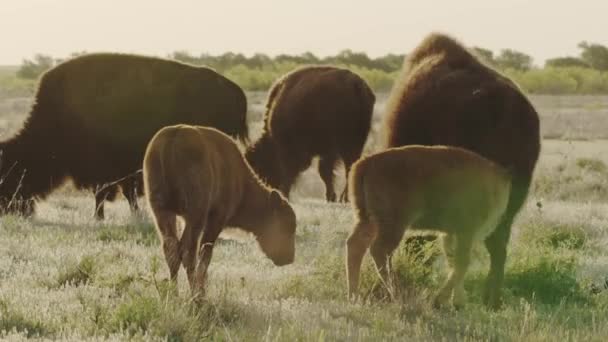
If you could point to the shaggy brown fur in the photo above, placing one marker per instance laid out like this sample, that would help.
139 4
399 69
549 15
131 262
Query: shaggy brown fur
199 174
440 188
95 114
312 111
445 96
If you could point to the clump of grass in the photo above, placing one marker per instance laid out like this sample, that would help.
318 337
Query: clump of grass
171 318
556 235
110 235
136 315
413 260
547 278
571 239
15 321
590 164
78 274
141 232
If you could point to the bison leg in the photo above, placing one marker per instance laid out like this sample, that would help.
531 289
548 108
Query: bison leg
349 158
357 244
497 242
101 194
210 235
131 190
389 237
167 229
458 253
326 171
189 247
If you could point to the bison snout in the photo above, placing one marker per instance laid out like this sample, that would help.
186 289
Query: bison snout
284 261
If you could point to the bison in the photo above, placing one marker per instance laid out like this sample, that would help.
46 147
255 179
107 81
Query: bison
312 111
93 117
199 174
442 188
446 96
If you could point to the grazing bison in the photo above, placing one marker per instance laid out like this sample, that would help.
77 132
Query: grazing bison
199 174
94 115
446 96
440 188
312 111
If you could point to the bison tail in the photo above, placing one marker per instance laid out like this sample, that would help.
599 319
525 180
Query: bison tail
243 128
356 189
243 133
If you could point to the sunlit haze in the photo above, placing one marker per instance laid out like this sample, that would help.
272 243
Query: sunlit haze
540 28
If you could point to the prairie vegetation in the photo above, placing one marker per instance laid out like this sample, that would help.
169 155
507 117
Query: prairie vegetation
65 276
584 74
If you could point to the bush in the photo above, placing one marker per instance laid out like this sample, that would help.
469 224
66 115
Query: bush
559 81
259 72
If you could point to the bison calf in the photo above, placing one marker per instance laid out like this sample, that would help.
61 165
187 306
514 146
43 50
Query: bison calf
313 111
446 189
199 173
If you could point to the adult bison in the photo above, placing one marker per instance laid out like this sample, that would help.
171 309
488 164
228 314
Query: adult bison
446 96
312 111
94 116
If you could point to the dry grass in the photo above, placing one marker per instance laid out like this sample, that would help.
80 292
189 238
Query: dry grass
64 276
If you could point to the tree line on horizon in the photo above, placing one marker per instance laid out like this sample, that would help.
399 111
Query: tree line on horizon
585 73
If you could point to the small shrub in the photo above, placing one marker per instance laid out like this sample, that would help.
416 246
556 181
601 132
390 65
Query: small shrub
171 318
555 235
593 165
571 239
545 278
79 274
136 315
11 320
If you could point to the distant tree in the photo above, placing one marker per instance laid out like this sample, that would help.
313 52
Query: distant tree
350 57
258 61
389 63
561 62
595 55
32 69
511 59
230 59
308 58
486 55
304 58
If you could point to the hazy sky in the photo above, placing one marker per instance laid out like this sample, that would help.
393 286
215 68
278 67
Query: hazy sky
541 28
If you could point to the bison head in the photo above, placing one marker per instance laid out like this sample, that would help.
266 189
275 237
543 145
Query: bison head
277 234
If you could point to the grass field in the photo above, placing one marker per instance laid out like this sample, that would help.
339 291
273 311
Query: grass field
65 276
